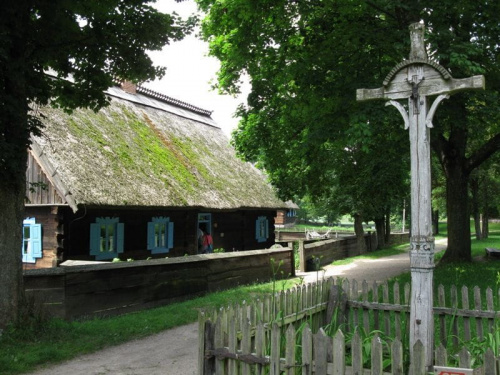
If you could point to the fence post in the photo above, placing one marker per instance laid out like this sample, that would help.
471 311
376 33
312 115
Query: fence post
302 256
418 359
208 362
201 342
337 304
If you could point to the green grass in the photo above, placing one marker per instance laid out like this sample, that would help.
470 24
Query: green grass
22 350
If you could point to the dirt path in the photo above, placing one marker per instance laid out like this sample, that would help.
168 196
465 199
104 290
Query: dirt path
174 352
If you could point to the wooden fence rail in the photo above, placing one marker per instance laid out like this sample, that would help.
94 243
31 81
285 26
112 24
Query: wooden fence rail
242 336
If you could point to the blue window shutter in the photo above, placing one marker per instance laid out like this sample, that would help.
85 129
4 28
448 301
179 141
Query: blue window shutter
95 239
257 229
120 233
36 240
151 235
170 243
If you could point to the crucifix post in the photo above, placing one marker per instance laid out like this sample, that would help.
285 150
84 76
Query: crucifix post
416 79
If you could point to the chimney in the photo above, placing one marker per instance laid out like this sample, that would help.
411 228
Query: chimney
129 87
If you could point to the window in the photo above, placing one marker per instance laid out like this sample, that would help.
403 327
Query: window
32 241
262 229
160 235
106 238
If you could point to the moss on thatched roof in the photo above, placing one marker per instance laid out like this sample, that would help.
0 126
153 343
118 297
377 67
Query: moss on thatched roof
133 154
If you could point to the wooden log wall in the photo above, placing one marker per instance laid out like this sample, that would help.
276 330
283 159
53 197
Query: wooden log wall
115 288
48 217
327 251
39 190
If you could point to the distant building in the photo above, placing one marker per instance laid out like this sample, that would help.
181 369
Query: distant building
287 217
136 180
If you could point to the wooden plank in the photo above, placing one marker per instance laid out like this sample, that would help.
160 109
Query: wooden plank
491 251
397 314
442 317
357 353
397 358
333 304
375 296
418 365
320 352
274 367
201 342
246 346
490 362
477 306
454 306
441 356
387 314
290 351
376 355
307 350
366 313
209 361
339 353
466 320
302 256
406 301
429 87
351 315
490 307
218 344
464 358
260 345
232 347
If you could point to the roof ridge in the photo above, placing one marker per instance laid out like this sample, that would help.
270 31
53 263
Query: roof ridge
168 99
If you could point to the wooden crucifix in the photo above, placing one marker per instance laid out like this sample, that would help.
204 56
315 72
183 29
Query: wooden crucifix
416 79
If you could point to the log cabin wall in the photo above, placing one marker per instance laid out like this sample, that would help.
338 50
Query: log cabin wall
39 190
52 234
234 230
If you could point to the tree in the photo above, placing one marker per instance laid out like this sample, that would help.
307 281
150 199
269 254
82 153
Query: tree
85 44
305 59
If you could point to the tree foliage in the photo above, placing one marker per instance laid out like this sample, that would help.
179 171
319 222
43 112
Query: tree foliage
83 45
305 60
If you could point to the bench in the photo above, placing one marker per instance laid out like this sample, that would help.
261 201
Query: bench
491 251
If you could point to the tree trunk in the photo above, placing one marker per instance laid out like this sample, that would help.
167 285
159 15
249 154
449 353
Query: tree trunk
457 207
486 227
474 188
435 222
12 209
380 228
388 226
14 141
360 233
486 209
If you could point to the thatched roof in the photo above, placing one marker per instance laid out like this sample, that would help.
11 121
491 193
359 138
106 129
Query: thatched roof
148 152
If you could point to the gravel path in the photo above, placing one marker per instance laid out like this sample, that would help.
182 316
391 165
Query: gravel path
174 352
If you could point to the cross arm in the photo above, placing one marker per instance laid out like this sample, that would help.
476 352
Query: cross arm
401 89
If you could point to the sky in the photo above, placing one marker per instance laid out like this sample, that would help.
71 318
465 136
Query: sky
191 72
